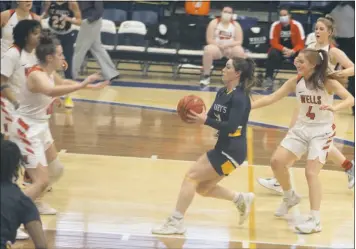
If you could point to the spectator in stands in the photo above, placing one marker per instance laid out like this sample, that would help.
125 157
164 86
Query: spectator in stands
286 39
89 38
224 37
344 17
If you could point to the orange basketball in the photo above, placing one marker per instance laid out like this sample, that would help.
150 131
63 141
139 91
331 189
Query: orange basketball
188 103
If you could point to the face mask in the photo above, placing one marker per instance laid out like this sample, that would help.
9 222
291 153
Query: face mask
226 17
284 19
162 29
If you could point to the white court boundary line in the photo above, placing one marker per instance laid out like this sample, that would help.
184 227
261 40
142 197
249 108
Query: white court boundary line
126 237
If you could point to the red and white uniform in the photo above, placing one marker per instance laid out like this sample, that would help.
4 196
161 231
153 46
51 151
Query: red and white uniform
7 30
331 66
314 129
30 127
224 35
13 64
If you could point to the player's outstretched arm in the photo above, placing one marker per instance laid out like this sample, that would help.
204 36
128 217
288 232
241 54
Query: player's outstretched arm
287 88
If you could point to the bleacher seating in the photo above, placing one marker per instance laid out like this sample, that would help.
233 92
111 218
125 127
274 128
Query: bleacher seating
147 17
108 35
116 15
139 32
131 42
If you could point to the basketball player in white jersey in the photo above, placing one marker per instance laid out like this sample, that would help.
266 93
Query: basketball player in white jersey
9 19
13 62
340 67
30 127
224 37
312 132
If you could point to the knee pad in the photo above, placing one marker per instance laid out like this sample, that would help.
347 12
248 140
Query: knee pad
55 170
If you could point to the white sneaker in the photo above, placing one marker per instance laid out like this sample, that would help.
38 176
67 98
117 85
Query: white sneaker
287 204
271 183
21 235
171 226
45 209
309 226
351 175
205 80
244 206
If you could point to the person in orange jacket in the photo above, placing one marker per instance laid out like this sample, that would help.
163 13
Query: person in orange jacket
286 39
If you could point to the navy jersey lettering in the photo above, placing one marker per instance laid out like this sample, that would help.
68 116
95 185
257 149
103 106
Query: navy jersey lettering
229 114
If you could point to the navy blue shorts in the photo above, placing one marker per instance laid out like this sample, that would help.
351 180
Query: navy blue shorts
225 163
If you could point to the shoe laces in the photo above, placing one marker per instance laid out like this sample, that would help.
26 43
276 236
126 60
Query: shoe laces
169 222
241 206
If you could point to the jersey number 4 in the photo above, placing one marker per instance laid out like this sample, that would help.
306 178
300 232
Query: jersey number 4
310 114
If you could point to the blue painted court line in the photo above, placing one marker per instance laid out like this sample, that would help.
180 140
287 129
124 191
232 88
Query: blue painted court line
196 87
254 123
192 87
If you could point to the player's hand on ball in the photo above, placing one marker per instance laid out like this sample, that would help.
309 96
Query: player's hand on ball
198 118
327 108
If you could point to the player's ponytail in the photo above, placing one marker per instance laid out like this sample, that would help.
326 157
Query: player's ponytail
11 160
47 46
247 68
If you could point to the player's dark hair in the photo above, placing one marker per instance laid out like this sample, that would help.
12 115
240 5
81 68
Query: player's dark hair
284 8
22 31
11 160
247 68
319 58
47 46
227 6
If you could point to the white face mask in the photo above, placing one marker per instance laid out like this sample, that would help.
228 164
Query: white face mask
226 17
162 29
284 19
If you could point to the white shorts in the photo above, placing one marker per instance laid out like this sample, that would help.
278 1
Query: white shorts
33 138
314 139
7 110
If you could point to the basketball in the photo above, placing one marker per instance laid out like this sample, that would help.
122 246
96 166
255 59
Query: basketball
187 103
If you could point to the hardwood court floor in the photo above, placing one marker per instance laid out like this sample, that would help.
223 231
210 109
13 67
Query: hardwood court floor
124 167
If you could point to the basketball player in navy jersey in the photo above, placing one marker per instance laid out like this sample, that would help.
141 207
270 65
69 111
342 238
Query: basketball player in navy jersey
62 15
229 115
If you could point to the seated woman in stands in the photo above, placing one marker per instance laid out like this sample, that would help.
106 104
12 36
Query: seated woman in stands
224 37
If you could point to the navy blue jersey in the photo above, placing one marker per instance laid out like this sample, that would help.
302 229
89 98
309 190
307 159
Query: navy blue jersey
56 12
229 114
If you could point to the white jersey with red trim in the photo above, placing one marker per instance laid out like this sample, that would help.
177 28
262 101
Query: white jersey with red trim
7 30
224 35
310 102
332 67
13 64
35 106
